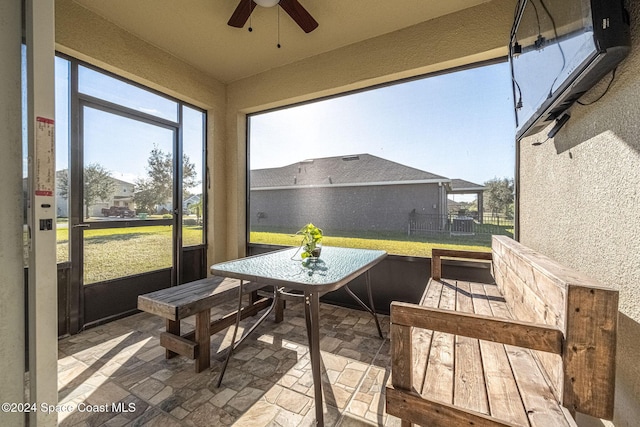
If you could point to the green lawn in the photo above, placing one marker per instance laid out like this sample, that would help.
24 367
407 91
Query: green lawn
393 243
112 253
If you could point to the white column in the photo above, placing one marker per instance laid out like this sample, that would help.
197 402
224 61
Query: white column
43 320
11 265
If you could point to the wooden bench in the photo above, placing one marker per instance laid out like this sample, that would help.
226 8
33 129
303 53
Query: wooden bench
196 299
531 349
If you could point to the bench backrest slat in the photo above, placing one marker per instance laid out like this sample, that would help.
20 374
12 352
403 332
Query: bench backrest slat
538 289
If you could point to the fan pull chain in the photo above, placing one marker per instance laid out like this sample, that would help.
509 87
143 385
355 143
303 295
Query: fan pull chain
250 17
278 27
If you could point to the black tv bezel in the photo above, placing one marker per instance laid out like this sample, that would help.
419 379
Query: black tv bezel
610 47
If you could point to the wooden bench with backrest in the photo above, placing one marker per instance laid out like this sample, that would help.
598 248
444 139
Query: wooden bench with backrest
531 349
196 299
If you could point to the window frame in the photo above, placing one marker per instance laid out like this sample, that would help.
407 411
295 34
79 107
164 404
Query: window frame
251 248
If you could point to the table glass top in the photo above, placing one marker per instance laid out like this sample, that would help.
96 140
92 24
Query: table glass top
335 266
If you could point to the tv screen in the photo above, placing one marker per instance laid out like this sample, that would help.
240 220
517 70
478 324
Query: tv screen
559 49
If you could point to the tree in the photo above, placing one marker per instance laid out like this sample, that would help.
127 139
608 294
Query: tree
98 185
499 196
143 197
62 183
157 187
189 176
196 208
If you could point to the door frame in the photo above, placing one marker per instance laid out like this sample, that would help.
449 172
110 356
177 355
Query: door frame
146 282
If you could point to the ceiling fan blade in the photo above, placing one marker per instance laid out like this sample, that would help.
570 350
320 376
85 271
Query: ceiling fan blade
299 14
242 13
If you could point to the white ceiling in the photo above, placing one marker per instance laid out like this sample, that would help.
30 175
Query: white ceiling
196 31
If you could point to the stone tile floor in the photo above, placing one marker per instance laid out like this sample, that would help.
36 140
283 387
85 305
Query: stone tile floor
118 375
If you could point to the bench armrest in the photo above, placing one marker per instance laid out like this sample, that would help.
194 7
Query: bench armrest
436 262
505 331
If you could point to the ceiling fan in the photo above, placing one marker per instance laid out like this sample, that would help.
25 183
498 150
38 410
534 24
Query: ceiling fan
295 10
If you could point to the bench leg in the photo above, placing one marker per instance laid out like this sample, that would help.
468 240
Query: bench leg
172 327
253 298
280 306
203 338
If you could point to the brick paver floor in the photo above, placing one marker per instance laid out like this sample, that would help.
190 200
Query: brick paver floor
116 374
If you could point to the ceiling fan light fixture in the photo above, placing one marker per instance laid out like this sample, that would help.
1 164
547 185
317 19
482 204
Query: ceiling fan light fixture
266 3
293 8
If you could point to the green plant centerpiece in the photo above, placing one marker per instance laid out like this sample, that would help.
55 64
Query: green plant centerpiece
311 241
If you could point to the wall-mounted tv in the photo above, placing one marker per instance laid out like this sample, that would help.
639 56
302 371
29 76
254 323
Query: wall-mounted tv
558 50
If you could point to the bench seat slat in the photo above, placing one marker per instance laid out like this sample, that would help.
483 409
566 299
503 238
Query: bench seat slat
480 301
501 388
469 389
538 399
438 383
504 398
177 293
421 338
181 294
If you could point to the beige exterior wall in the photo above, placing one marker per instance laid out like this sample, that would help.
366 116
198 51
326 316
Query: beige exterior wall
472 35
579 204
88 37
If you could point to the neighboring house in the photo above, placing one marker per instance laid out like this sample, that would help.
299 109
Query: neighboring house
460 186
356 192
190 201
454 207
122 196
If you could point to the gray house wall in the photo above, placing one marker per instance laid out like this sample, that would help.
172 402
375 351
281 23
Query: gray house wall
358 208
580 200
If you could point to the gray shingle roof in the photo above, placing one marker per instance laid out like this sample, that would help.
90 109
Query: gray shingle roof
462 185
360 169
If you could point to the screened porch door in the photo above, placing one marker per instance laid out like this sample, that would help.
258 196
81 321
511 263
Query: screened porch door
123 232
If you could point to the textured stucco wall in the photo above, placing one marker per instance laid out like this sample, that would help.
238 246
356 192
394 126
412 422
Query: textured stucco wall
86 36
472 35
579 204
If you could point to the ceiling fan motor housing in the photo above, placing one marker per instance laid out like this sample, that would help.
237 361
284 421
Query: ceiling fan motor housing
294 9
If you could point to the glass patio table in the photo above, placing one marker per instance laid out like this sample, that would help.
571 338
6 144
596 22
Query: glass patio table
285 270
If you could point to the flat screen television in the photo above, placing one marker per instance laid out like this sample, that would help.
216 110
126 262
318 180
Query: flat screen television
558 50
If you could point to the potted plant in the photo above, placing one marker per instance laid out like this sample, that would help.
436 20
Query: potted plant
311 241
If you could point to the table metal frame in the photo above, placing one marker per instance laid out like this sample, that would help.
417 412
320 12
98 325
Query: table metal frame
311 293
